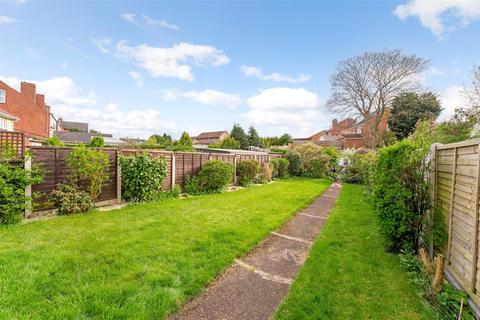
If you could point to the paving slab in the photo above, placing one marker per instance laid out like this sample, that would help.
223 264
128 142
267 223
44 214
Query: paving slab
256 284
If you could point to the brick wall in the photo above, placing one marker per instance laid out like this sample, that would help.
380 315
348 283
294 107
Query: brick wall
30 109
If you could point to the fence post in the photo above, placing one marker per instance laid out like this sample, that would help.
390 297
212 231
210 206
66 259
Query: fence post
434 196
452 198
28 189
235 169
475 226
172 173
119 178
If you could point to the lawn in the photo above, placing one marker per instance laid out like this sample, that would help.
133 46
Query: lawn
348 274
142 261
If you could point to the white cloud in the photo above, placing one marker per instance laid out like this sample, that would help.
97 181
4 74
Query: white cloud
451 98
8 20
75 104
440 16
102 44
250 71
172 62
288 108
129 17
160 23
137 76
208 97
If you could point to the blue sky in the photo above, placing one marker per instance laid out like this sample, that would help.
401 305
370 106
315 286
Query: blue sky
137 68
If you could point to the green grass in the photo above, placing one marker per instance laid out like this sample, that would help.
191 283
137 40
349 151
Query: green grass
348 274
139 262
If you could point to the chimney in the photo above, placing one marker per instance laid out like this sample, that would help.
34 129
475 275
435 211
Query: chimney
334 122
28 90
40 100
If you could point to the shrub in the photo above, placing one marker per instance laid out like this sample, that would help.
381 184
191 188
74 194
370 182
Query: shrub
13 180
294 162
279 150
191 185
228 143
360 169
283 168
169 194
275 165
97 142
53 141
142 177
266 173
318 162
70 199
247 171
400 194
91 165
214 176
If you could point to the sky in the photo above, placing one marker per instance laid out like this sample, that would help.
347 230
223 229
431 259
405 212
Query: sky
135 68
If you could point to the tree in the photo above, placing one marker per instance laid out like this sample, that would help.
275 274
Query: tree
408 108
473 93
238 134
97 142
253 137
284 139
185 140
230 143
364 86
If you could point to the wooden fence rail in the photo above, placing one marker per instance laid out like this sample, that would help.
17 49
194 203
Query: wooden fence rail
12 145
179 165
456 189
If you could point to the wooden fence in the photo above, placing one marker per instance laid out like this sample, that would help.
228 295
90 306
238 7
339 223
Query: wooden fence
456 188
179 165
12 145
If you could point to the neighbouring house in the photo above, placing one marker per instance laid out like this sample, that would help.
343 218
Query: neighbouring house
72 126
348 133
68 137
29 109
133 141
206 138
6 121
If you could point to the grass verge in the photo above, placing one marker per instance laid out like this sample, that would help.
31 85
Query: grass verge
348 274
139 262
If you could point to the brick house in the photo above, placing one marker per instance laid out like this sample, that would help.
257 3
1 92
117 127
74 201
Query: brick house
6 121
348 133
29 108
206 138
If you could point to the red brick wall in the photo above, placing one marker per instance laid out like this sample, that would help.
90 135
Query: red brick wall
30 109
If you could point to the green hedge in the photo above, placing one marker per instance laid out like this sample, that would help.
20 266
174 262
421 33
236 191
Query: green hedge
247 171
142 177
215 176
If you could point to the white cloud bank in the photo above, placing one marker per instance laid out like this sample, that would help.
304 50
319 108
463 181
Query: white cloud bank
132 18
256 72
172 62
75 104
440 16
8 20
295 109
137 76
207 97
451 98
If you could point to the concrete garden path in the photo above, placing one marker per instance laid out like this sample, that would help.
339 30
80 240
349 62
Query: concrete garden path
255 285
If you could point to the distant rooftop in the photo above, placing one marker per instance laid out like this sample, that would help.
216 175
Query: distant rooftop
69 125
211 134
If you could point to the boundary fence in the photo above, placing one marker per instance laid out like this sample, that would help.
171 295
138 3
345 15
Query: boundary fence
179 165
456 189
12 145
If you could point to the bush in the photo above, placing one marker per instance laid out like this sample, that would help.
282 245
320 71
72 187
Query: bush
13 180
97 142
53 142
294 162
70 199
400 194
283 168
360 169
275 165
191 185
214 176
91 165
169 194
318 162
142 177
279 150
266 173
247 171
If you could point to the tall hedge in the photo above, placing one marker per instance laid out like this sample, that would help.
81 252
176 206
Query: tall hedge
246 171
142 177
215 176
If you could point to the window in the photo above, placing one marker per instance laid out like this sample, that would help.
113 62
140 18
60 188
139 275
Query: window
3 124
2 96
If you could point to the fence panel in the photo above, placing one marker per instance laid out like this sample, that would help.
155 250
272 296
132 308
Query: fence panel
456 197
12 145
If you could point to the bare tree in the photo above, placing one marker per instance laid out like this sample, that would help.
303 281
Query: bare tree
364 86
473 93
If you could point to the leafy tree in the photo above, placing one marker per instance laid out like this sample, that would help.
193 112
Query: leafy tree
185 140
409 108
53 142
230 143
284 139
97 142
253 137
163 140
184 144
239 134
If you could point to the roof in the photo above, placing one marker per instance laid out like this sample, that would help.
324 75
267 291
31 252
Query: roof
211 135
79 137
68 125
7 115
200 148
